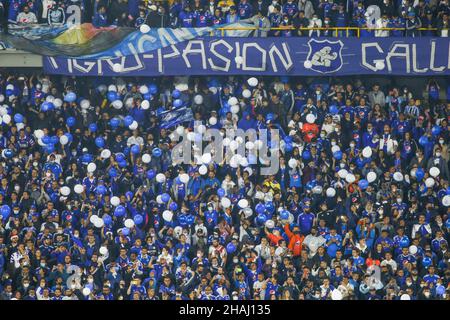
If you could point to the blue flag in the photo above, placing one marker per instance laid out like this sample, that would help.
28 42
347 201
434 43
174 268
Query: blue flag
174 117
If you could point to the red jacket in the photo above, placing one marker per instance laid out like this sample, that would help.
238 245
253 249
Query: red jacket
295 241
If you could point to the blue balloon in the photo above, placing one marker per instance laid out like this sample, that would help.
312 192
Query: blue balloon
404 242
260 208
86 157
5 210
420 173
70 121
9 92
138 219
114 122
126 151
284 215
177 103
69 136
176 94
156 152
49 148
46 139
128 120
333 109
288 139
135 149
436 130
100 142
107 219
153 89
119 211
231 248
129 194
123 164
165 197
8 153
261 218
47 106
70 97
101 189
113 172
151 174
363 184
173 206
426 262
93 127
221 192
423 140
337 155
18 118
120 157
288 147
306 155
112 96
440 290
147 96
269 207
54 140
270 116
125 231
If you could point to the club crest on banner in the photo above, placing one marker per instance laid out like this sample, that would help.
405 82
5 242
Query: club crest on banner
324 56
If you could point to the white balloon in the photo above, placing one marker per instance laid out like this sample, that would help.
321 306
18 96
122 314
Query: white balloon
167 215
371 176
58 103
234 145
129 102
270 224
429 182
39 133
184 177
129 223
133 125
6 118
243 203
86 291
292 163
2 98
243 162
94 218
91 167
117 67
252 82
78 188
225 202
232 101
112 87
342 173
20 126
178 230
85 104
160 177
413 249
310 118
213 121
143 89
63 140
380 65
234 109
117 104
99 223
144 28
434 171
198 99
250 145
350 178
317 189
3 110
336 295
146 158
335 148
206 158
145 104
103 250
367 152
446 200
331 192
307 64
115 201
105 154
404 296
398 176
65 191
203 170
180 130
246 93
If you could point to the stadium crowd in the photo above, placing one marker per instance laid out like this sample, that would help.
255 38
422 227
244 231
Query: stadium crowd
406 17
92 206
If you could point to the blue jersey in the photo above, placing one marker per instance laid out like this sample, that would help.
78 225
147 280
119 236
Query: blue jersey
14 9
291 9
186 19
202 19
244 10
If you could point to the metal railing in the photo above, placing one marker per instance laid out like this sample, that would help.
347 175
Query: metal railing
336 30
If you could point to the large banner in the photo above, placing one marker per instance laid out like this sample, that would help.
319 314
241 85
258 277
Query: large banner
272 56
